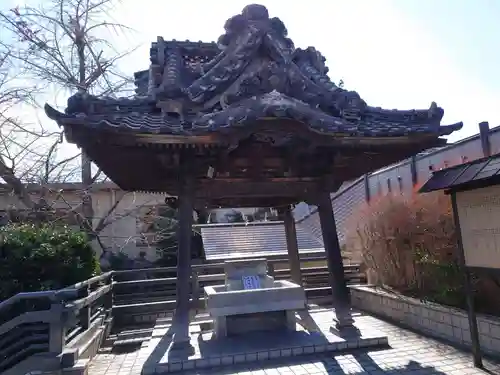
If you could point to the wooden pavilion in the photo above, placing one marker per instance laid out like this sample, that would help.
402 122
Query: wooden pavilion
247 121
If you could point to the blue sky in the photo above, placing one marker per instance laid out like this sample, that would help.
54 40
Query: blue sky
396 53
469 30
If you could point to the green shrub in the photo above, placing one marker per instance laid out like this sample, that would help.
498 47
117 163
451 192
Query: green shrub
37 258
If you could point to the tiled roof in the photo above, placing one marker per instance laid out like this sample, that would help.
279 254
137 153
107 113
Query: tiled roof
271 105
141 81
240 240
477 173
253 72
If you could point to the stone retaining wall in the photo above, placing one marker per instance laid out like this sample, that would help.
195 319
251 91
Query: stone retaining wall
432 319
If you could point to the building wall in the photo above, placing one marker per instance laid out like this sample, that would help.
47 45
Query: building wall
122 232
352 196
125 230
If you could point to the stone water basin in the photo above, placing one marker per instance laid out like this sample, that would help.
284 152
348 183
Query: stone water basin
264 309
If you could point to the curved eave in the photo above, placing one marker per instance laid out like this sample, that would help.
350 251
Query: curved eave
272 106
53 113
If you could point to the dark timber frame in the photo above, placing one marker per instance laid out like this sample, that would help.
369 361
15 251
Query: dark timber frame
291 243
248 121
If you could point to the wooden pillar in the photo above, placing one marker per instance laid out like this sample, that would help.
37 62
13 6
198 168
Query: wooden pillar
340 292
181 339
291 244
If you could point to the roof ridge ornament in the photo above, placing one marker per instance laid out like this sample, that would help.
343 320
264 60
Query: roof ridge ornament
254 16
253 73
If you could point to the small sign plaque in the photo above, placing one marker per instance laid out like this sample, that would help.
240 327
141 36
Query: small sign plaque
478 212
251 282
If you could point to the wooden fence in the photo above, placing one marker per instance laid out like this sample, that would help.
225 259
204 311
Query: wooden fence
53 322
144 295
67 326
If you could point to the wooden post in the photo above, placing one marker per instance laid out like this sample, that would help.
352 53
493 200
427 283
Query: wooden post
181 339
340 292
195 288
59 319
292 245
468 290
85 311
108 298
57 333
484 135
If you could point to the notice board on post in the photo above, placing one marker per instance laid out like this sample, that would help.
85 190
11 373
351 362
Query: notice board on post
479 216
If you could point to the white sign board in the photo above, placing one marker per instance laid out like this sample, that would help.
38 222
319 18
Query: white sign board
251 282
479 216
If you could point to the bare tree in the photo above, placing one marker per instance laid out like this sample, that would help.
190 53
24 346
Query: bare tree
61 45
16 141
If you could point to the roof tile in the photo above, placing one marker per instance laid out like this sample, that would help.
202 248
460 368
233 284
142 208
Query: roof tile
254 71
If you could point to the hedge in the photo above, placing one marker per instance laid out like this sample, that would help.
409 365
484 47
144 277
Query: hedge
35 258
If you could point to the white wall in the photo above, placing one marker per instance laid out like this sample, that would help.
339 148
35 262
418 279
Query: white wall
350 199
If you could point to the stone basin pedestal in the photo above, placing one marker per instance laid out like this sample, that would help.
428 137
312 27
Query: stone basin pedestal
265 304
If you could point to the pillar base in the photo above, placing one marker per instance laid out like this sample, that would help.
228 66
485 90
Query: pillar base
180 348
343 323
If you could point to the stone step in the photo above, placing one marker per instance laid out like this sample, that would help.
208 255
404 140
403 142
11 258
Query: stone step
131 341
135 333
312 336
219 358
163 328
197 318
132 336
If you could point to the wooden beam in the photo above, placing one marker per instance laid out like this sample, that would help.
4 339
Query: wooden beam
273 187
246 202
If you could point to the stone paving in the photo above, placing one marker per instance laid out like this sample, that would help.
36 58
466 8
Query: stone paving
409 353
312 335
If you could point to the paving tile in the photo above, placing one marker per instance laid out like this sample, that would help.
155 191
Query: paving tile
409 354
